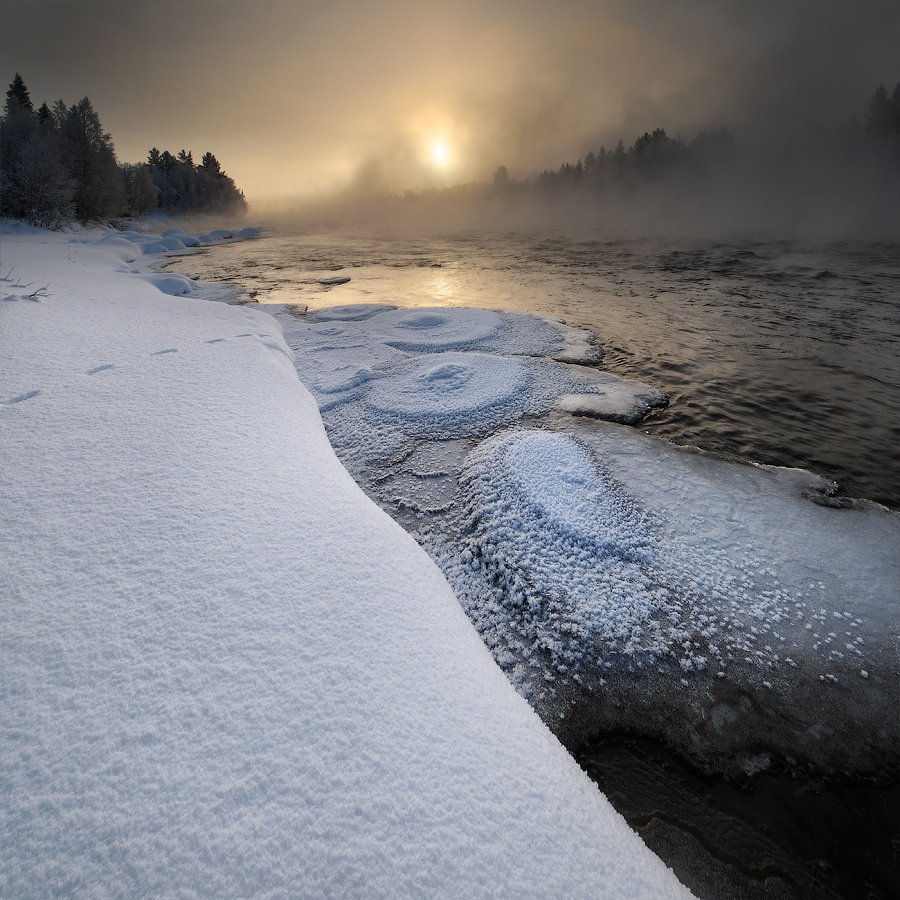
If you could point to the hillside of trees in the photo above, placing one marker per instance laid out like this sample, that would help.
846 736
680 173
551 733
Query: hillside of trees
57 164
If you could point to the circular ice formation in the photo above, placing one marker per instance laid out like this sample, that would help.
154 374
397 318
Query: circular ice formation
554 550
438 328
351 312
423 320
449 386
560 481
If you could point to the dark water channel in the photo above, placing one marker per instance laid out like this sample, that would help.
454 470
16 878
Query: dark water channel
774 835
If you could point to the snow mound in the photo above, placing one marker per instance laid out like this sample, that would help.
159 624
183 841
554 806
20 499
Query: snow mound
123 249
564 543
151 248
173 240
560 482
170 283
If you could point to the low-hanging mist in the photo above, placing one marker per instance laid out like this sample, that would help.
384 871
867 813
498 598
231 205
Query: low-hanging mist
307 98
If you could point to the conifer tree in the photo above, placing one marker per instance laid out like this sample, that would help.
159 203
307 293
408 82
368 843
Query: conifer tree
91 160
879 118
19 93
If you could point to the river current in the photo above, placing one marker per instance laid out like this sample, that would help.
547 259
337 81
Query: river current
781 352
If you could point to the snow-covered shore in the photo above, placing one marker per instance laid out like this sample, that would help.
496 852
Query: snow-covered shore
224 670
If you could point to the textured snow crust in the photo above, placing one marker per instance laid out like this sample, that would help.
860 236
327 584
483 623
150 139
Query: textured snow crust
563 544
225 671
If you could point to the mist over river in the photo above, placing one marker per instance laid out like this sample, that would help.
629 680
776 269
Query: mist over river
780 351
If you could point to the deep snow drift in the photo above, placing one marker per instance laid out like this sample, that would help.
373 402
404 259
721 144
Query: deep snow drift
623 583
224 670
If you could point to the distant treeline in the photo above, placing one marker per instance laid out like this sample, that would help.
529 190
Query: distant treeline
57 164
655 155
652 156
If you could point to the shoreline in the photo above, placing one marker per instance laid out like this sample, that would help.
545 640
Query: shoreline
186 700
573 745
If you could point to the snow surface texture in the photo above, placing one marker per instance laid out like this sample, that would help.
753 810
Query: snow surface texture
691 593
225 672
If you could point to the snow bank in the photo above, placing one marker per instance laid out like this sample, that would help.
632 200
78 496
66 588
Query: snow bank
225 671
172 240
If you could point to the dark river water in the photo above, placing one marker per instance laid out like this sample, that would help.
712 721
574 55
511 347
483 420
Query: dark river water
779 352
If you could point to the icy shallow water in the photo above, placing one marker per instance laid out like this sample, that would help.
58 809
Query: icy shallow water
783 352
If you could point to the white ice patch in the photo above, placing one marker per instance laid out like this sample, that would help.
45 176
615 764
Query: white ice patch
352 313
449 387
438 329
611 398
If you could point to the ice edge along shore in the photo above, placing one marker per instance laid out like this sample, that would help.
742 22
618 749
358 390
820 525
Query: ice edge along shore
225 670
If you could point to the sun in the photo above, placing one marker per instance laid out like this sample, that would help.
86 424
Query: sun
440 153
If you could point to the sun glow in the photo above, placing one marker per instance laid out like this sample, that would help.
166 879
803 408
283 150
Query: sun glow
440 153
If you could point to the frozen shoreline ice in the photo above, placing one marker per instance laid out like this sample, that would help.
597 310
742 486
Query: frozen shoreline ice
754 617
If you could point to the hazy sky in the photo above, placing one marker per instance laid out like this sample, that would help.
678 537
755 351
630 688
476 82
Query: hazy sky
297 97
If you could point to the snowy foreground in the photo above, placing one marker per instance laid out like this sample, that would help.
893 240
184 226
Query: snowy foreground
224 670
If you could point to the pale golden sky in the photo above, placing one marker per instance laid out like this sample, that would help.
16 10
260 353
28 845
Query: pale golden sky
300 97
